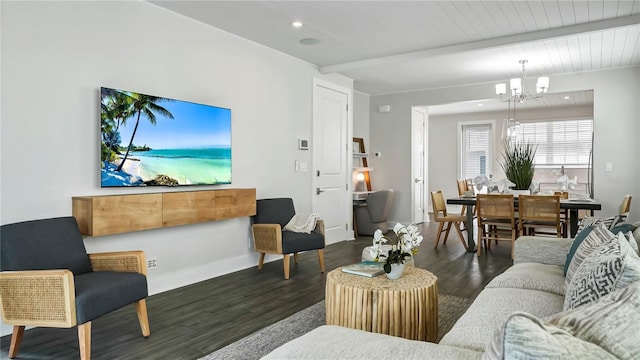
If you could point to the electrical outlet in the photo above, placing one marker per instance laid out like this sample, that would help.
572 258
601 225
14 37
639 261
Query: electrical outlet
152 263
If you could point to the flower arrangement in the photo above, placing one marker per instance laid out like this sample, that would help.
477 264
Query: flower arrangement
404 242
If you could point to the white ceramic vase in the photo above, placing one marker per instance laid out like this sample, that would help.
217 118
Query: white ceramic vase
516 193
396 271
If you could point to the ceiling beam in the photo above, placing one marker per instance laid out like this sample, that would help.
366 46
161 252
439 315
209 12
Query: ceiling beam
488 43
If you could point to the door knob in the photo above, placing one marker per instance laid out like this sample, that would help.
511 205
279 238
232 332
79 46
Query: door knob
418 180
318 191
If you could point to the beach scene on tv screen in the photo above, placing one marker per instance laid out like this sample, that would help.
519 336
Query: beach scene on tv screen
154 141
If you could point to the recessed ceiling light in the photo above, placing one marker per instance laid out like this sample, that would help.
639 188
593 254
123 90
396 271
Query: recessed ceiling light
296 24
567 97
309 41
481 104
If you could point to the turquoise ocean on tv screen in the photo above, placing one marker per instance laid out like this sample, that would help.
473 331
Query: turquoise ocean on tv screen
187 166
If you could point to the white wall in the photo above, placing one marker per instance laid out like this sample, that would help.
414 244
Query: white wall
55 57
616 127
361 117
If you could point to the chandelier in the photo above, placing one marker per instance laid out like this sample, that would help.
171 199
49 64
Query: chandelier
510 128
517 87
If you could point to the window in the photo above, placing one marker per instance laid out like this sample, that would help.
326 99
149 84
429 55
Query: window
475 150
560 143
564 148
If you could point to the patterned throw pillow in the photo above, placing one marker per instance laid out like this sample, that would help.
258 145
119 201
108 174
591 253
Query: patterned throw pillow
599 330
609 222
611 266
633 242
607 322
523 336
574 245
598 236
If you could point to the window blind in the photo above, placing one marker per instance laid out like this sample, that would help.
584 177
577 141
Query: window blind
476 150
560 142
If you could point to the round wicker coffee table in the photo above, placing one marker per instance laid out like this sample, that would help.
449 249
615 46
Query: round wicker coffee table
407 307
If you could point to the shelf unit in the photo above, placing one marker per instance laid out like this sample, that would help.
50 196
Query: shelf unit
362 155
116 214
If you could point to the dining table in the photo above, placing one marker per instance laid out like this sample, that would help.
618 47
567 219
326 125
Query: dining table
572 205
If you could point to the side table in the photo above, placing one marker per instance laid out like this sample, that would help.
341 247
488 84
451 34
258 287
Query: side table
407 307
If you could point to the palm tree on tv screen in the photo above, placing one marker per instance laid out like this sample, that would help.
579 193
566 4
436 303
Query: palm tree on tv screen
147 105
116 109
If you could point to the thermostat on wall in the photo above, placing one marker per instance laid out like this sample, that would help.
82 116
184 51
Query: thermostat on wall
303 144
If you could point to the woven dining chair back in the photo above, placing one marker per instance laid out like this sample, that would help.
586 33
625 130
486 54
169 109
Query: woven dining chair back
537 213
496 220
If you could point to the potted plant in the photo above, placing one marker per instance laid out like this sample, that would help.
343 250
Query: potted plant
518 163
403 243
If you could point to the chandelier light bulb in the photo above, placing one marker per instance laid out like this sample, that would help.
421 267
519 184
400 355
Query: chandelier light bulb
501 89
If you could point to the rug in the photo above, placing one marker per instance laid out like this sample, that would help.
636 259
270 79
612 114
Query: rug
262 342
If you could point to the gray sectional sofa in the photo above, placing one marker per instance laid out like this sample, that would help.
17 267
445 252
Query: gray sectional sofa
518 315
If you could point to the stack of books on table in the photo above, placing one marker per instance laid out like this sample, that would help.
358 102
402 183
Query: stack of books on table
365 268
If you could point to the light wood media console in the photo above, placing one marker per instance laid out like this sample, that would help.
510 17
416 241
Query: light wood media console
115 214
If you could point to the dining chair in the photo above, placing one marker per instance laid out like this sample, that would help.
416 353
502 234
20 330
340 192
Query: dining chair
440 215
538 212
496 220
564 213
626 204
465 185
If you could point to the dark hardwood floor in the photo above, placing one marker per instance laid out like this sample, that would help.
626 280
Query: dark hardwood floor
195 320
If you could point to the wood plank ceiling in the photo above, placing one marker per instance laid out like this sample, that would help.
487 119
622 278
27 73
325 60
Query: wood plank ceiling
398 46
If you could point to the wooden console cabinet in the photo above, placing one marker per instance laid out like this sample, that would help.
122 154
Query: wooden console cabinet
115 214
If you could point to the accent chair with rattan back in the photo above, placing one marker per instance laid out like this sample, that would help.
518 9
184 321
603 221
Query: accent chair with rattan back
537 213
496 220
441 216
272 215
49 280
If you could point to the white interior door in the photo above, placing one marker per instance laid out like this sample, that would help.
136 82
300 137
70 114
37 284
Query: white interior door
419 164
330 160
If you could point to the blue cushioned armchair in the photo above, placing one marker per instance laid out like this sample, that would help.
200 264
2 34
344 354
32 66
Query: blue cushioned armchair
268 237
49 280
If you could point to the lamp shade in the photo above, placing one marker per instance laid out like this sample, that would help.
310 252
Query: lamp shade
516 85
543 84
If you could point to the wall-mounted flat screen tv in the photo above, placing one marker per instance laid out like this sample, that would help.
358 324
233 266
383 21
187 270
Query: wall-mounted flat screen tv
149 140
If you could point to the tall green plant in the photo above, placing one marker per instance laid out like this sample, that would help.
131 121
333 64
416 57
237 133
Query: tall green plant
518 163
